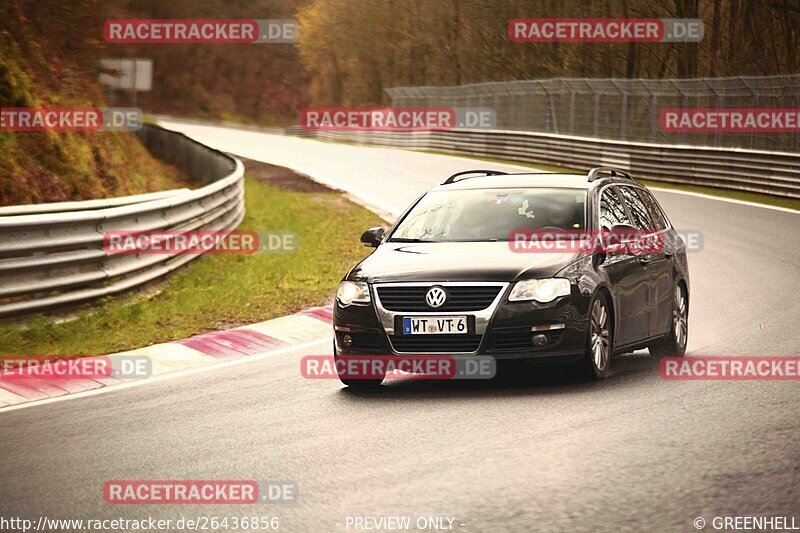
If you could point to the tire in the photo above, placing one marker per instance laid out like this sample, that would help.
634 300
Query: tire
360 384
599 339
674 343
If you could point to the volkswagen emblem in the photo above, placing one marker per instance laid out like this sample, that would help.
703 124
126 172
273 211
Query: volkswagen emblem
436 297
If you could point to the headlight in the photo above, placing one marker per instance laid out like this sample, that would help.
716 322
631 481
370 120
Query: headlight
541 290
350 292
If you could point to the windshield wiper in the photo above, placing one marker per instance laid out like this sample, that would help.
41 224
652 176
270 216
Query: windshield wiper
403 239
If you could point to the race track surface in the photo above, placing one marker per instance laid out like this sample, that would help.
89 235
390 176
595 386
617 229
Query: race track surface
537 452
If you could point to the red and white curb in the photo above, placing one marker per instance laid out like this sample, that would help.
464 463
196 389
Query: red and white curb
279 334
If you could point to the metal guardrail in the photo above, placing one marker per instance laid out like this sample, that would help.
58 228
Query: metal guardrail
55 258
773 173
217 123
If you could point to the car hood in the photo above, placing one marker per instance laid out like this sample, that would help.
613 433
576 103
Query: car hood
456 261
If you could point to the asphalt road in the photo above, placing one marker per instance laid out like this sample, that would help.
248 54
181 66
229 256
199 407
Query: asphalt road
536 452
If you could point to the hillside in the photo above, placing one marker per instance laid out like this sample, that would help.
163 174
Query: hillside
47 59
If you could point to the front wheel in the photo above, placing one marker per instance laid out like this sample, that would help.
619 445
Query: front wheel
355 383
674 343
597 361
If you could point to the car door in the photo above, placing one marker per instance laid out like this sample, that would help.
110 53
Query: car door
629 278
644 208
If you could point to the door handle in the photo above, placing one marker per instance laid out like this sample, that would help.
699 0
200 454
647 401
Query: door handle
644 260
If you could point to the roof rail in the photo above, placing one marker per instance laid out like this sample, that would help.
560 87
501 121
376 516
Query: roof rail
595 173
452 178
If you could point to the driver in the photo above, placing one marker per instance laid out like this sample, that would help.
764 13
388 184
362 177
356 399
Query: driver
470 224
561 214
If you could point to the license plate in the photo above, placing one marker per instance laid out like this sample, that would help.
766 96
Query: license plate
434 325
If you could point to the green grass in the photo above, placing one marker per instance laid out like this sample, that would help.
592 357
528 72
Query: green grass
53 166
220 291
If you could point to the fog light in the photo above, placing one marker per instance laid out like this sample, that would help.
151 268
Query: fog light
539 339
347 341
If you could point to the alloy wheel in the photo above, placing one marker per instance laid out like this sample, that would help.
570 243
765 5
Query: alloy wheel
679 317
599 342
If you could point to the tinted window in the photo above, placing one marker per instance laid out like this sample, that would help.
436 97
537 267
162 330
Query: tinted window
639 211
491 214
611 210
655 210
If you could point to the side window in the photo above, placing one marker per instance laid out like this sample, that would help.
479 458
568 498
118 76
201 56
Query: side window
639 211
611 210
656 213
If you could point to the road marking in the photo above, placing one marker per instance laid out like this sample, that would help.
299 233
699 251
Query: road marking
172 375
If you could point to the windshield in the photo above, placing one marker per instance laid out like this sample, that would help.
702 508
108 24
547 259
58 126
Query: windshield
490 214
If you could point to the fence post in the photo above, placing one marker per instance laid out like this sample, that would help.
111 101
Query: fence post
548 118
710 86
623 110
571 111
756 98
794 132
684 101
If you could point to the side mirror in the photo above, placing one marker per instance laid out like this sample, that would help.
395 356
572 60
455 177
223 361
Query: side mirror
623 233
372 237
621 238
598 258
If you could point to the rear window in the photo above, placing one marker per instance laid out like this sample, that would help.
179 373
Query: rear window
659 220
638 209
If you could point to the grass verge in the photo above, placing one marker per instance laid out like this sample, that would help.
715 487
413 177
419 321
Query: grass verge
223 291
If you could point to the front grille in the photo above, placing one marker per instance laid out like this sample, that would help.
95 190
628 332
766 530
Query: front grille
459 297
519 339
436 343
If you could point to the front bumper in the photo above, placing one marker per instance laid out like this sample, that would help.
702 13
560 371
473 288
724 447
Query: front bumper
505 332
